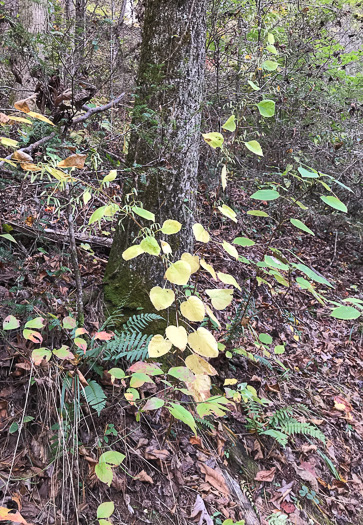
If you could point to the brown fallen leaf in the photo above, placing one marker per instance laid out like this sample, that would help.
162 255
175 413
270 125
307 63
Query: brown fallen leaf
214 478
266 475
74 161
199 508
152 453
143 476
195 440
258 449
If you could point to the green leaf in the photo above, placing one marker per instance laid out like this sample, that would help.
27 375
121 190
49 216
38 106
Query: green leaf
279 349
313 275
69 323
112 457
345 313
266 195
153 404
9 142
39 354
272 262
183 415
117 373
150 245
266 108
243 241
334 202
214 139
257 213
265 339
307 174
270 65
32 335
143 213
10 323
255 147
230 125
37 322
87 197
97 215
270 38
105 509
138 379
253 86
104 473
14 427
272 49
9 237
301 226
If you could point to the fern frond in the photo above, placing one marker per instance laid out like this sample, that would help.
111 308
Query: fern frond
131 346
280 437
139 322
204 422
280 416
263 361
95 396
292 426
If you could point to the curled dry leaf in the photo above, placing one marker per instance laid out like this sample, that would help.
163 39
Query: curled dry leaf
200 510
152 453
266 475
214 478
143 476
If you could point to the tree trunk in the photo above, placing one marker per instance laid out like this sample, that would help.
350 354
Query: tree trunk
164 141
33 15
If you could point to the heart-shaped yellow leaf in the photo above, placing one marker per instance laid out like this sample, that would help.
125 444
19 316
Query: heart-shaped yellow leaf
226 278
221 297
193 260
198 365
170 227
200 233
209 268
193 309
158 346
203 343
178 273
178 336
161 297
200 388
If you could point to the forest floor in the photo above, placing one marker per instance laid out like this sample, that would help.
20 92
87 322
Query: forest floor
169 475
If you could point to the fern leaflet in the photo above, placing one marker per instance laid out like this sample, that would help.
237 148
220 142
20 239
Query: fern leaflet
95 396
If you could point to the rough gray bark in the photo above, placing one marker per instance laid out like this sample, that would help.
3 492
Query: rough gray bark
165 140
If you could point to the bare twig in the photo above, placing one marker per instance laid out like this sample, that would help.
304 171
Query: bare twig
30 148
92 111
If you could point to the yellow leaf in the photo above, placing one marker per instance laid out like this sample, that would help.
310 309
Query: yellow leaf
221 298
214 139
200 233
193 260
226 278
57 174
132 252
178 336
231 250
203 343
30 166
200 388
9 142
193 309
198 365
230 382
224 177
212 316
161 298
20 119
158 346
74 161
170 227
228 212
40 117
178 272
209 268
166 248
